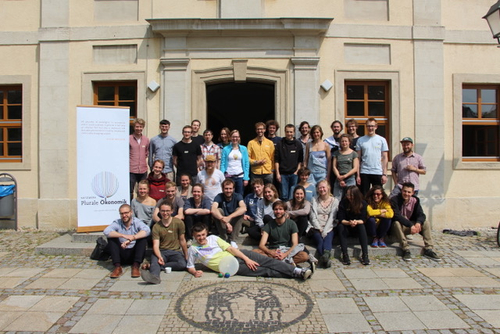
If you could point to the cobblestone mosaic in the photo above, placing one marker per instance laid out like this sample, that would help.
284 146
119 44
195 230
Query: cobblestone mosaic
63 294
233 307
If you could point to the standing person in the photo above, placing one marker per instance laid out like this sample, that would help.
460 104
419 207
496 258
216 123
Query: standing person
177 204
157 180
169 246
211 178
185 189
126 241
288 159
280 238
195 137
186 154
228 209
334 143
309 188
209 148
409 218
407 167
138 155
210 250
235 163
160 148
197 209
333 140
224 138
352 130
372 150
272 127
304 138
143 205
323 213
318 156
265 212
345 166
261 154
352 218
298 209
380 215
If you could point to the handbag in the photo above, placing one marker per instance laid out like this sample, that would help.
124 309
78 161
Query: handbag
100 253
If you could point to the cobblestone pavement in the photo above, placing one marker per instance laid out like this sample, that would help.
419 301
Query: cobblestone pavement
73 294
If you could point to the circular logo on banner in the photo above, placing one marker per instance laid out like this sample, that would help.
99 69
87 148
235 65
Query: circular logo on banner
105 184
243 307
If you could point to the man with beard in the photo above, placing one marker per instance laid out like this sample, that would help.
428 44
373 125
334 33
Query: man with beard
228 209
407 167
126 241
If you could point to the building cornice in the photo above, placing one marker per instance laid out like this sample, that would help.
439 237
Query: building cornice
292 26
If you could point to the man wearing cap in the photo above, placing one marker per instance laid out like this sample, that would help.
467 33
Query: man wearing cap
406 167
211 178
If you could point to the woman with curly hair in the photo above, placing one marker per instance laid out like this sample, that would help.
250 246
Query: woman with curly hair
380 215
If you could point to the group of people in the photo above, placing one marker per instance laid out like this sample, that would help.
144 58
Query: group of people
199 217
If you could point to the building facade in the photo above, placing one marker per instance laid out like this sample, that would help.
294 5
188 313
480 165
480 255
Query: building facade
426 69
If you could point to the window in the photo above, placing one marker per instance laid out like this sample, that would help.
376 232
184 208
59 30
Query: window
365 99
117 93
11 111
480 123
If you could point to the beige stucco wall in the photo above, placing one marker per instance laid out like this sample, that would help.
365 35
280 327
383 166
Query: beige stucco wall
452 31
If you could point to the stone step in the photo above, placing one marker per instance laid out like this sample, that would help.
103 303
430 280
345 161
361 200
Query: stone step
83 244
89 237
64 245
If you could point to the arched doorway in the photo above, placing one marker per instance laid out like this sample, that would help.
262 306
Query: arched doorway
239 106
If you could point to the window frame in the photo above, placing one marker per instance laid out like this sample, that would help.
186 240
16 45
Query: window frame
6 124
381 120
23 164
459 81
479 120
116 100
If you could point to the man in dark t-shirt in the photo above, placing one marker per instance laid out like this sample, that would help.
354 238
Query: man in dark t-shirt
186 155
228 209
280 238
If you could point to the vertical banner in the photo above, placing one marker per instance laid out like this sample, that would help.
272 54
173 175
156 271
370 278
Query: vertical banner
102 165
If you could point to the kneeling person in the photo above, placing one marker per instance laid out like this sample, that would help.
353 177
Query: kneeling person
127 241
210 250
169 246
409 218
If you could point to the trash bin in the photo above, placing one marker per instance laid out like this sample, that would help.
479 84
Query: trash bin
7 200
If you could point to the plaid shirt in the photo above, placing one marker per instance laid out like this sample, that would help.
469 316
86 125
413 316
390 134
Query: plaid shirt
210 150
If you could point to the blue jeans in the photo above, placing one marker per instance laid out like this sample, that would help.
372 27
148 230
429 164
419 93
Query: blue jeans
338 191
287 181
323 244
238 185
380 231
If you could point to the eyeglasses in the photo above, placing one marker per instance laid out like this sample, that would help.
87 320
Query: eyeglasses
377 194
371 126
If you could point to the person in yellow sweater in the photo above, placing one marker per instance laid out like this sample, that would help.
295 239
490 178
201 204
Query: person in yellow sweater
380 215
261 154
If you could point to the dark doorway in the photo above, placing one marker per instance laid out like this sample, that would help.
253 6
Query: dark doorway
239 106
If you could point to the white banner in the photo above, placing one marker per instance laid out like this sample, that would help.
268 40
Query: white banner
102 165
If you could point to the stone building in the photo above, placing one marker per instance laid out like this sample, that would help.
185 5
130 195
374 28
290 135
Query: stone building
427 69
